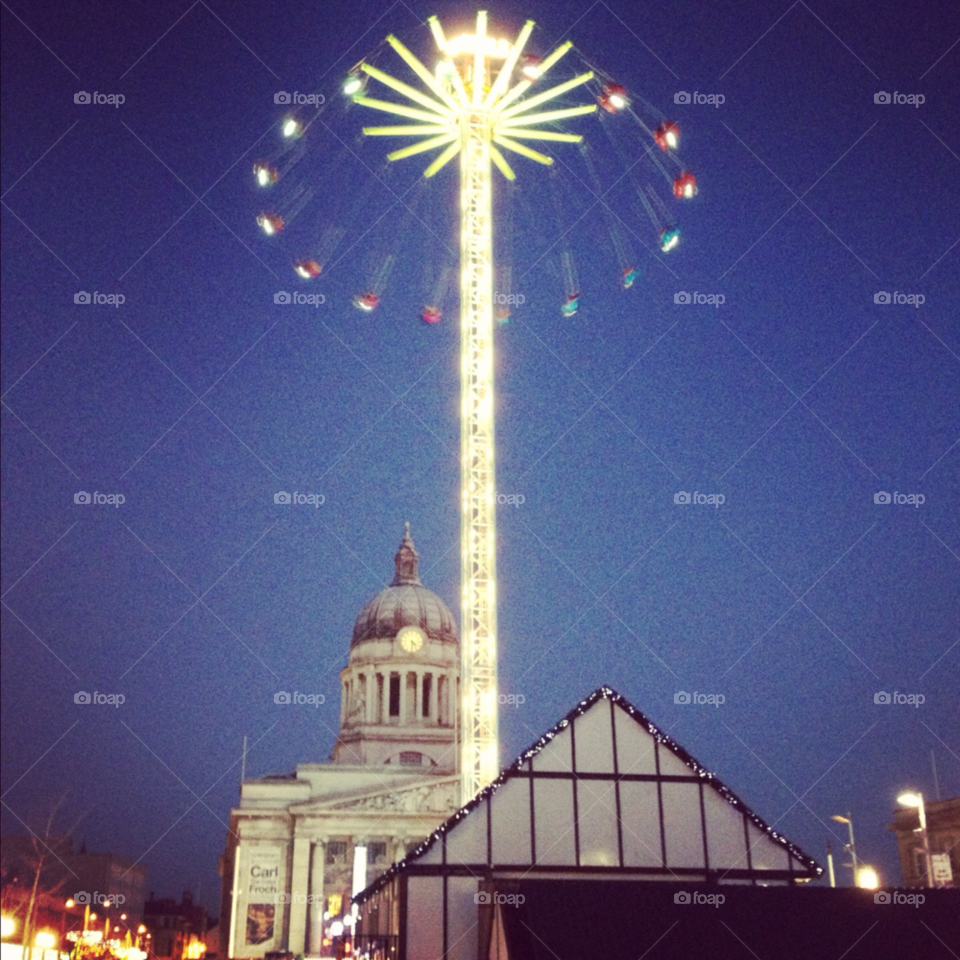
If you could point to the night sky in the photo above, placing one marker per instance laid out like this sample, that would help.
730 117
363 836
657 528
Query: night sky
798 399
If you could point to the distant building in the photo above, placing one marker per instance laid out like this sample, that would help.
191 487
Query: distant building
943 832
301 844
108 884
212 940
178 929
111 885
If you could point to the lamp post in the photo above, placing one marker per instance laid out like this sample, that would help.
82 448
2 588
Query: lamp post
851 846
909 799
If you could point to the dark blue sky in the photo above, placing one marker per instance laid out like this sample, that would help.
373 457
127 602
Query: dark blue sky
198 398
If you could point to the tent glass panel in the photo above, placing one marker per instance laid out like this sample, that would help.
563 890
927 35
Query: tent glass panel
640 812
681 817
593 734
725 840
597 816
424 918
510 822
555 756
553 803
635 747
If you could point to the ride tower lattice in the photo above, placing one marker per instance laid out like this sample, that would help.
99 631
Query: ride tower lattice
470 116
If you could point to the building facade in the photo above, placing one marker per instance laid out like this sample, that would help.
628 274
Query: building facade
178 930
943 833
300 845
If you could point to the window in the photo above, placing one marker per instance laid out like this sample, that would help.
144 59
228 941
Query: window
336 851
410 758
377 854
427 684
394 695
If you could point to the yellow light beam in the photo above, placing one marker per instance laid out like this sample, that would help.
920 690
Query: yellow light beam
503 77
410 131
546 95
547 117
437 30
422 72
458 86
422 146
522 150
524 85
498 158
444 158
404 88
537 135
400 109
479 59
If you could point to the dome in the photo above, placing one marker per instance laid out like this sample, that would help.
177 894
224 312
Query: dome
406 602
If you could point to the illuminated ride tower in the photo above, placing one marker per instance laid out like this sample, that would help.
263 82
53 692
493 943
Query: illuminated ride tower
474 114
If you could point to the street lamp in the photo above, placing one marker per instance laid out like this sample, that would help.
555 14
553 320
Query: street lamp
909 799
7 926
45 940
867 878
851 846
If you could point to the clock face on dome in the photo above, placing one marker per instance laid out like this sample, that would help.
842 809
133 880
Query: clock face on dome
410 639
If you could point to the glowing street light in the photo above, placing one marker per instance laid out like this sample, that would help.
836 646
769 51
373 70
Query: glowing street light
867 879
7 926
850 847
910 799
45 940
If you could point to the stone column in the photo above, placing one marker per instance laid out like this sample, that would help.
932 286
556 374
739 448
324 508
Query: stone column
297 895
315 910
237 942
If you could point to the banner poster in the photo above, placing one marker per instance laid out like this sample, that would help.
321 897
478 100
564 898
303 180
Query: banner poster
263 885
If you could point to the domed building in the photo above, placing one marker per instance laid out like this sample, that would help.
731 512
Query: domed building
399 689
301 844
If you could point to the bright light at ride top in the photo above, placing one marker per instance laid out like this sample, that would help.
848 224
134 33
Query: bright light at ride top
460 88
292 127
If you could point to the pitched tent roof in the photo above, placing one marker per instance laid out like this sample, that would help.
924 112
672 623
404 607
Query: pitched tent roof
606 791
